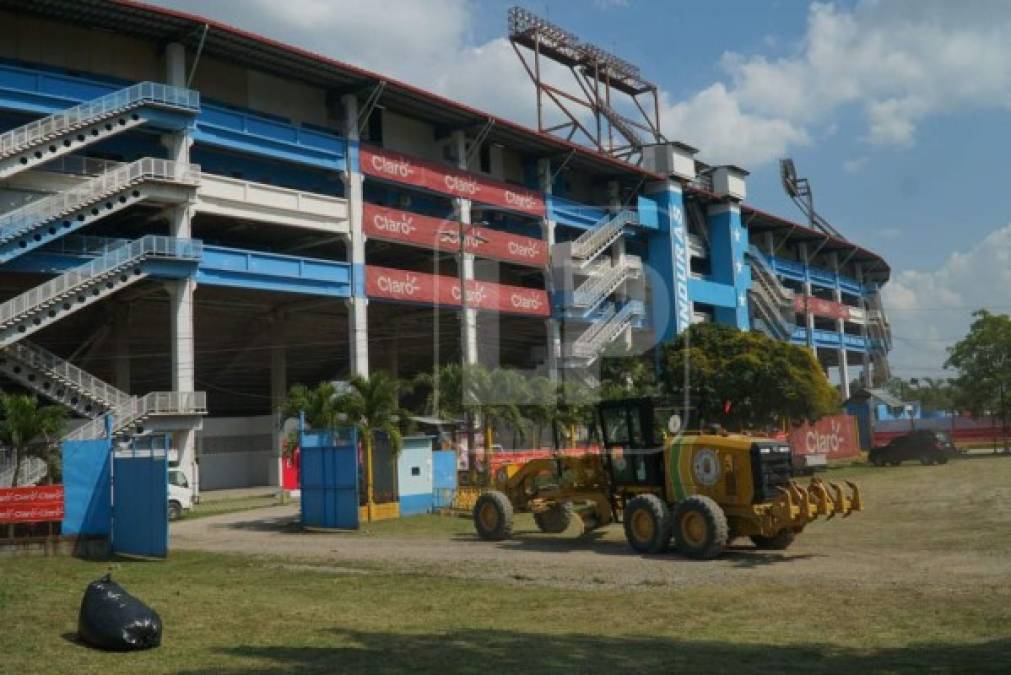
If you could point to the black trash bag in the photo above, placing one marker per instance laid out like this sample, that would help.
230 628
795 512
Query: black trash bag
113 619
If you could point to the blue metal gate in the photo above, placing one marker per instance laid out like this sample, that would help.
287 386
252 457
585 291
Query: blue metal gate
443 478
140 501
329 479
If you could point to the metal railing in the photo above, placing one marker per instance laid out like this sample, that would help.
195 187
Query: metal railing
16 222
143 93
78 165
42 359
84 245
597 287
150 246
589 244
141 407
598 335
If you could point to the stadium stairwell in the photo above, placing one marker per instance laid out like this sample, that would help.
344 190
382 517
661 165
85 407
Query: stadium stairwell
108 188
595 290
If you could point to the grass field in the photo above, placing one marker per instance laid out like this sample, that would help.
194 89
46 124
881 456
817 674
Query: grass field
237 614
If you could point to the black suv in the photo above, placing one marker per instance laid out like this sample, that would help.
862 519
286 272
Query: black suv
930 447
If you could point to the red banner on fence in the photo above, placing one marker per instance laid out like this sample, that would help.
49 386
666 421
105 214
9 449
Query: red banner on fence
449 181
827 308
436 233
407 286
834 436
37 504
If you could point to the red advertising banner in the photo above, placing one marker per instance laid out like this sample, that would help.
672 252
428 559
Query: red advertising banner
820 307
444 235
836 437
38 504
407 286
449 181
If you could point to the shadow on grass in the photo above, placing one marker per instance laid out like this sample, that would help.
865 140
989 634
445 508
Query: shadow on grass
484 651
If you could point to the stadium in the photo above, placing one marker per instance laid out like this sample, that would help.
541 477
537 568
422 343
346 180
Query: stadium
195 218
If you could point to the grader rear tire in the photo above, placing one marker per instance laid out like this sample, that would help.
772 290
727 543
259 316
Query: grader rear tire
777 542
493 516
647 523
555 520
700 528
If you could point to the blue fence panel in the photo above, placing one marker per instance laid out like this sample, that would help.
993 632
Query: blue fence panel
140 503
87 496
443 478
329 479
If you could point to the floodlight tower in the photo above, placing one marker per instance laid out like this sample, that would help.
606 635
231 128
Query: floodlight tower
601 78
799 190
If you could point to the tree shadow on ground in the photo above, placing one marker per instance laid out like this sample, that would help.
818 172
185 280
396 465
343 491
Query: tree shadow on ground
485 651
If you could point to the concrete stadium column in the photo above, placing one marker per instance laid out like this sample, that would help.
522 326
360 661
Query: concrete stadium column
548 234
462 207
865 371
670 306
181 292
358 304
840 327
808 316
728 241
278 395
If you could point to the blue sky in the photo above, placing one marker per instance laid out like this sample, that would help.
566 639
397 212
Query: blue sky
897 111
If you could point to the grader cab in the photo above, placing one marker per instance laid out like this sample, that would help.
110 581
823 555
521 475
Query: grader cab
703 490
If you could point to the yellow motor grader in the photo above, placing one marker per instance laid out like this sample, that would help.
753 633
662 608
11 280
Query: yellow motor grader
702 489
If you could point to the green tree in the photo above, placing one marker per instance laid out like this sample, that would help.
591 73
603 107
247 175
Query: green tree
745 379
29 429
983 361
628 377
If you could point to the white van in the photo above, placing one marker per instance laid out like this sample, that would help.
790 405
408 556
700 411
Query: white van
180 494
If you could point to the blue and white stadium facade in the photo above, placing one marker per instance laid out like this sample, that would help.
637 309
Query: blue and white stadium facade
189 227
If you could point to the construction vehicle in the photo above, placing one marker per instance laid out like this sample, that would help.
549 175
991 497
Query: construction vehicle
702 489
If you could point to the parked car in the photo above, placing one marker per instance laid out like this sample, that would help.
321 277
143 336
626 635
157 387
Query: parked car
180 494
930 447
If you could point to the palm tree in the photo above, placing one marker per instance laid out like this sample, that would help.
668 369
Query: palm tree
541 405
372 404
495 396
25 427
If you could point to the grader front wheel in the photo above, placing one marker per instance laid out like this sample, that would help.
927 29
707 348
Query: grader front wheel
493 516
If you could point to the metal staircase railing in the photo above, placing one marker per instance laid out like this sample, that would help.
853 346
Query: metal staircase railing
58 379
83 285
589 245
71 129
40 221
139 408
770 299
33 470
605 281
591 343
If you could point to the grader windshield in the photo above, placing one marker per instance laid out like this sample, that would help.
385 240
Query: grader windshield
633 443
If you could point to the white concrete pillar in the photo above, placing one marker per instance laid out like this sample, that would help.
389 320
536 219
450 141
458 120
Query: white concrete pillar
358 303
278 396
181 294
548 234
840 327
808 316
175 64
865 372
468 321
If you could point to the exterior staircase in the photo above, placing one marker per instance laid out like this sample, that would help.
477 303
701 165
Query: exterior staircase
590 345
139 409
75 128
59 380
605 281
591 244
770 300
86 284
119 187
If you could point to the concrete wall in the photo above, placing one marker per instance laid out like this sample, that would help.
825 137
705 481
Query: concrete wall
236 452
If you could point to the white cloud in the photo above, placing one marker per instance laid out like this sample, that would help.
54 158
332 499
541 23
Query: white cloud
931 309
855 164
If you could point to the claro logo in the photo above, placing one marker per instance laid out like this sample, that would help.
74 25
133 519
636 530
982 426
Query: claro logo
461 185
402 226
475 294
824 442
392 167
520 200
527 302
409 285
529 250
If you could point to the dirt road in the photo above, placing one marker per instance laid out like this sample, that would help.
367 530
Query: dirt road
920 525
